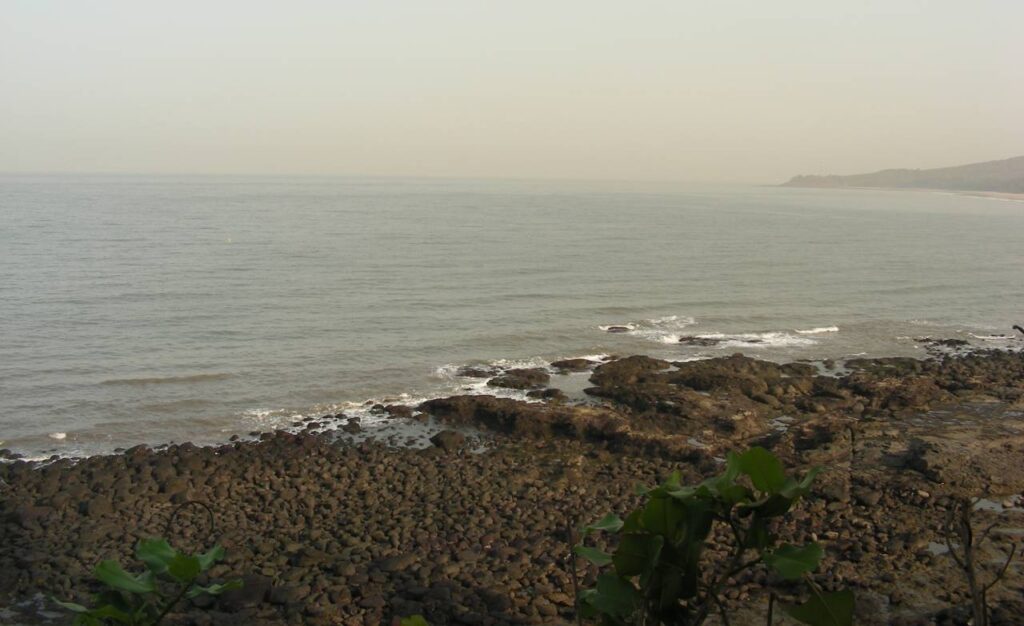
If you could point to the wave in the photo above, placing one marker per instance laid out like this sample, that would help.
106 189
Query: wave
994 337
167 380
661 329
770 339
819 330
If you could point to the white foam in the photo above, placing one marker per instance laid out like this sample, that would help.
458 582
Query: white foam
993 337
627 326
659 329
820 330
771 339
58 436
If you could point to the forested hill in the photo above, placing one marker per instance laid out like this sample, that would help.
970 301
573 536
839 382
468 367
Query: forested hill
1002 176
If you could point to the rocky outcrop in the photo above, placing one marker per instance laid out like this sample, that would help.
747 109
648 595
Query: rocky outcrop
523 378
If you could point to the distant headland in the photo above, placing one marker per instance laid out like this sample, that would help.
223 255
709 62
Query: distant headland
1005 176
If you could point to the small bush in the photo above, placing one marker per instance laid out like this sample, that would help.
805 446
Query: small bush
656 574
145 599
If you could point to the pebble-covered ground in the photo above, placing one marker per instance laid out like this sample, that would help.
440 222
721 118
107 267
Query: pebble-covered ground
327 531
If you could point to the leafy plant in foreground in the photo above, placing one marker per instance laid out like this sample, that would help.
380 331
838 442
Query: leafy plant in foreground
656 574
145 599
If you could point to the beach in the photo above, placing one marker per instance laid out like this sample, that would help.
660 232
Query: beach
326 527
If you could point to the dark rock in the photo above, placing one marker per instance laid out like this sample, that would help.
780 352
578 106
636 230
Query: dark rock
289 594
548 394
398 563
573 365
448 440
523 378
704 342
398 410
254 590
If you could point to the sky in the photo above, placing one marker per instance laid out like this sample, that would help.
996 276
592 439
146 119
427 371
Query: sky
725 91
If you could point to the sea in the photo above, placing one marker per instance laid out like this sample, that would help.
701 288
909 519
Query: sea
158 309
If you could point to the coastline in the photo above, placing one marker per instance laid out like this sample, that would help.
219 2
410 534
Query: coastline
994 195
333 528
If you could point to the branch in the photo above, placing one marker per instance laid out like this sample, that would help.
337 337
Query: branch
1002 570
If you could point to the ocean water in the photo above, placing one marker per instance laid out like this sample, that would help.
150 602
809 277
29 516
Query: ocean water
157 309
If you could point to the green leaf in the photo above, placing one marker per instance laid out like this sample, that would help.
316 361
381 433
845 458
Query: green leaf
792 562
595 556
758 536
207 559
764 469
795 489
772 506
609 523
637 553
184 568
216 589
615 596
108 612
414 620
632 523
71 606
661 516
156 553
829 609
111 574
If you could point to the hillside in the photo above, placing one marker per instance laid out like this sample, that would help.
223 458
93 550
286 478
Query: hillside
1005 176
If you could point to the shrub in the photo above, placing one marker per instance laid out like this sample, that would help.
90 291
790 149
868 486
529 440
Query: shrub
145 599
656 575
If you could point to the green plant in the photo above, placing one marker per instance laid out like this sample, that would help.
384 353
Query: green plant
656 575
145 599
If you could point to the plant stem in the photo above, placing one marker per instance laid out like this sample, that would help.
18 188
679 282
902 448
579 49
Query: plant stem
167 608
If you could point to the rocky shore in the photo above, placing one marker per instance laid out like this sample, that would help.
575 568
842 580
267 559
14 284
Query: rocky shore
325 528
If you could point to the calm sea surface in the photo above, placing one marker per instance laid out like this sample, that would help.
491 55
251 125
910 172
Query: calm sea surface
155 309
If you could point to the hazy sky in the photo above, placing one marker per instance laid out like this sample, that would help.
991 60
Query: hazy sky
731 90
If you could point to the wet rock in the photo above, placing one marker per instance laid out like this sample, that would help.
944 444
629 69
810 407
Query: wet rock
705 342
573 365
617 329
449 440
522 378
476 372
555 395
398 410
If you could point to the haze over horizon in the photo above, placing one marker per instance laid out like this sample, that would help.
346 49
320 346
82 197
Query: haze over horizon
739 91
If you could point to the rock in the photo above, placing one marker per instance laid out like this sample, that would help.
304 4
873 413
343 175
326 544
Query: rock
617 329
705 342
253 591
448 440
28 515
99 506
573 365
398 563
867 497
555 395
288 594
398 410
522 378
476 372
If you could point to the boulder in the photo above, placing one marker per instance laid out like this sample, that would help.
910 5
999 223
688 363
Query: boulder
448 440
521 378
573 365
